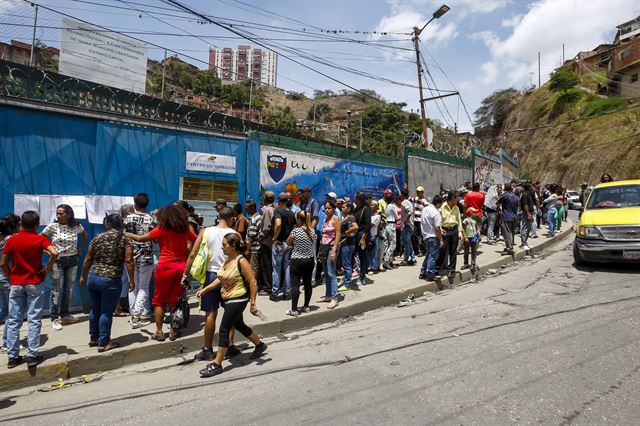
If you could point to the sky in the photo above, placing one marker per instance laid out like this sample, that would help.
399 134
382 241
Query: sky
478 47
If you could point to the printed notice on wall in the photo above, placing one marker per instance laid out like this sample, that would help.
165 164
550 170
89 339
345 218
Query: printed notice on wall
203 162
103 57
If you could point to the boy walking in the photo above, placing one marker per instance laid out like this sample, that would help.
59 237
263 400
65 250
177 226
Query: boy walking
26 274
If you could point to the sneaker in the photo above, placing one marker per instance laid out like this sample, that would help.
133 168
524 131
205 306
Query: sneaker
143 322
134 322
211 370
274 298
422 276
258 350
204 355
343 288
465 267
233 351
32 361
333 304
264 293
14 362
145 317
55 324
3 350
526 247
69 319
306 309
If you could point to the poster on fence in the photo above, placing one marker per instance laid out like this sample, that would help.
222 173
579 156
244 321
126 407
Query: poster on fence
285 170
103 57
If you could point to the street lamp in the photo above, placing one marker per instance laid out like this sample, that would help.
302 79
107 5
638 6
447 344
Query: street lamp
416 43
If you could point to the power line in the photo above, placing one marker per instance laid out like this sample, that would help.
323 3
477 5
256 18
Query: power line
178 4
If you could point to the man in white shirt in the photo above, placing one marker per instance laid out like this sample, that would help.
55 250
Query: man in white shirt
430 223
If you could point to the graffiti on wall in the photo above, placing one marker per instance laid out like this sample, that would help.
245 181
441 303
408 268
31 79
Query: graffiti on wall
285 170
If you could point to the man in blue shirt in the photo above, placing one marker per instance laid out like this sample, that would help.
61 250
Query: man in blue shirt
508 212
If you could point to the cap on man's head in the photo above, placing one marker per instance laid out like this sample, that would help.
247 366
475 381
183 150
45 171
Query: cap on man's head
332 195
305 189
221 202
420 189
387 192
283 196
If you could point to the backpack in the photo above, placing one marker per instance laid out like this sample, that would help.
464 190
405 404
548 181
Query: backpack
199 266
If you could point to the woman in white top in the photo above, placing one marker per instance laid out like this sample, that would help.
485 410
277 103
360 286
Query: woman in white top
63 234
390 246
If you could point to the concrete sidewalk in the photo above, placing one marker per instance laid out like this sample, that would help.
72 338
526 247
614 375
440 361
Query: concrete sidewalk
67 353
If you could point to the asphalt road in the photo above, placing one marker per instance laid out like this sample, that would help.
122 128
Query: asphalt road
539 342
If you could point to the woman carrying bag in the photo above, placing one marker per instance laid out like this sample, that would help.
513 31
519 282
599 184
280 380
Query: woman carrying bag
327 254
238 288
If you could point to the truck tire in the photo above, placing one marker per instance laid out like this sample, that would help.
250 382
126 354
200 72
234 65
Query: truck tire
577 257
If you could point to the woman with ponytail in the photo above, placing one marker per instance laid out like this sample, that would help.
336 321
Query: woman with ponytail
302 239
238 288
102 271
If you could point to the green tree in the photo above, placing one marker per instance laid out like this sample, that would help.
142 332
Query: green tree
295 96
563 79
493 112
207 83
283 119
322 113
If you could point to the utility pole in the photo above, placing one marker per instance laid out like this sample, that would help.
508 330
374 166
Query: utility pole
314 120
563 53
423 115
416 44
164 66
250 98
33 39
360 132
539 79
348 126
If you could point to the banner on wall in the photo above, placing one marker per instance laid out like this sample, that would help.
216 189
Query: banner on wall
487 172
215 163
283 170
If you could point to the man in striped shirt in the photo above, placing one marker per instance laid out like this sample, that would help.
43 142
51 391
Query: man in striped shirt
419 202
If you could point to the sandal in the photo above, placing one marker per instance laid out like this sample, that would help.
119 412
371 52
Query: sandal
108 347
292 313
324 299
93 343
158 337
174 334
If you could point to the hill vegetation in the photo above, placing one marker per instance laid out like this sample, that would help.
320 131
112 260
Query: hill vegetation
564 131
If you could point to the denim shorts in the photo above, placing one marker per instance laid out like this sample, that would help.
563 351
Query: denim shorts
210 302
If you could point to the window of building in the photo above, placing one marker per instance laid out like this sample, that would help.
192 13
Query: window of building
634 77
202 193
626 52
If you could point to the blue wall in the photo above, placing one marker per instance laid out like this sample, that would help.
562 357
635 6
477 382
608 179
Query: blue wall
48 153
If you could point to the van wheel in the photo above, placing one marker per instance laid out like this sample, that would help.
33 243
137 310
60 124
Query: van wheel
577 257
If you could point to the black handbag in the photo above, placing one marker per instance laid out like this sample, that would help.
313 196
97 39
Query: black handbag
323 252
181 313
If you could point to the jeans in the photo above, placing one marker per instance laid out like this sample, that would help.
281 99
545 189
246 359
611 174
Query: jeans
23 299
373 254
390 244
406 243
330 280
346 253
280 256
104 293
139 297
5 289
492 217
63 275
428 269
551 220
473 248
508 229
380 247
525 229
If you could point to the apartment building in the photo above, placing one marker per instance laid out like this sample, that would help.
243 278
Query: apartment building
244 62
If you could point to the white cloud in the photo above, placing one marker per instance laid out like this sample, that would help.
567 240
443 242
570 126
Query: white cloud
490 73
512 21
546 26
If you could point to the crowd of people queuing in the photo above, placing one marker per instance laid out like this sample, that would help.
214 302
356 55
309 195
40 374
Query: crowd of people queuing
272 250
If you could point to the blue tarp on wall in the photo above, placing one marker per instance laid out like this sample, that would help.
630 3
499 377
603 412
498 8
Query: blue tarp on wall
48 153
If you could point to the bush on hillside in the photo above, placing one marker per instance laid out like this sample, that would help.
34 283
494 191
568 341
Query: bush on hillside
599 106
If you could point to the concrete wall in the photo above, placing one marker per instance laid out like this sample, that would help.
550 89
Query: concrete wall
434 174
487 169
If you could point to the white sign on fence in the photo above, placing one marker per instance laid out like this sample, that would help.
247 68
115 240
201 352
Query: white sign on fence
203 162
104 57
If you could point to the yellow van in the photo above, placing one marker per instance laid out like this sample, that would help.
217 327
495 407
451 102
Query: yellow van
609 229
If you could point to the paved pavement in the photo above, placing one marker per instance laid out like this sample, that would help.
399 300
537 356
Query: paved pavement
539 342
67 354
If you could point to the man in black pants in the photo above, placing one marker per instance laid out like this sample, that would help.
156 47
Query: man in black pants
266 243
452 232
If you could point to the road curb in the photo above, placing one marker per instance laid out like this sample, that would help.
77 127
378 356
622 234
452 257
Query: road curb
96 363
